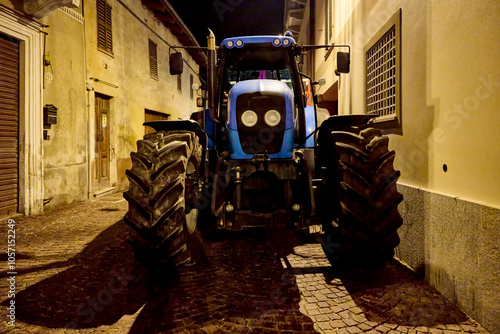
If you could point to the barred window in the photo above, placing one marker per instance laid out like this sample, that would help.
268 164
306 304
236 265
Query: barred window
381 76
383 72
153 59
104 26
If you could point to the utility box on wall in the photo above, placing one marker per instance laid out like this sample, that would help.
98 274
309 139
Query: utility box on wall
50 114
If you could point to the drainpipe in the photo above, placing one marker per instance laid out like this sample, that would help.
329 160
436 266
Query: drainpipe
89 89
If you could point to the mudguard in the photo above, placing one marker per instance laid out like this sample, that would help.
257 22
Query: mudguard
337 122
188 125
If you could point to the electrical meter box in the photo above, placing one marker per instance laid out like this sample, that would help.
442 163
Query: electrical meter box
50 114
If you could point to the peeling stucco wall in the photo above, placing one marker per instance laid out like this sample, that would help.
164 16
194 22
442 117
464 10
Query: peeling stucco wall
65 152
128 68
69 153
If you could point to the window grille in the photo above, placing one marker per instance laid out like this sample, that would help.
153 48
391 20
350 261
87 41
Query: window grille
179 83
153 59
104 26
381 75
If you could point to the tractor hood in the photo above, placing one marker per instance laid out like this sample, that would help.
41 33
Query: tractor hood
260 119
263 87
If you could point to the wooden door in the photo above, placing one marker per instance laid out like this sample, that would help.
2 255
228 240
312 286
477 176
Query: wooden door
102 124
9 125
150 115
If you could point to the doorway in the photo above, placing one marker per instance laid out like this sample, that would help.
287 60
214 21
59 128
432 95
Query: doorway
102 125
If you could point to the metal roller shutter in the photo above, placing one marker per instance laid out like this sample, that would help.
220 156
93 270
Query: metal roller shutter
9 125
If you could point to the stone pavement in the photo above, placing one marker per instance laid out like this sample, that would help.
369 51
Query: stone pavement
76 274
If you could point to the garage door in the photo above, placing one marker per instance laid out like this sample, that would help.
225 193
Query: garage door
9 125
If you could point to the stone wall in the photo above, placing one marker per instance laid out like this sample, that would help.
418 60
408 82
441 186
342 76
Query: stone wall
454 243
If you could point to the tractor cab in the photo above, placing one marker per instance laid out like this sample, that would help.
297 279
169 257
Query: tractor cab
261 98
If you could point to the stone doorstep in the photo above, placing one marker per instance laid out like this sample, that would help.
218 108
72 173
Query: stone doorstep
103 192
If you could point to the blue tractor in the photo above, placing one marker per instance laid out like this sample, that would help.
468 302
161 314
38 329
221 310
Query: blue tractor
261 155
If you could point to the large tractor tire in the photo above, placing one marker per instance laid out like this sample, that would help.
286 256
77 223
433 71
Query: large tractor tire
162 194
363 181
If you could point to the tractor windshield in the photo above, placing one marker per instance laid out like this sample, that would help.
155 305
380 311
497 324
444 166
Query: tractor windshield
257 61
281 74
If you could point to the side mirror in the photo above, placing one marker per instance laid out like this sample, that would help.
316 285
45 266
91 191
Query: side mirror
176 63
321 82
343 62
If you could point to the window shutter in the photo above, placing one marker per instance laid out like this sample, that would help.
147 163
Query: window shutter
153 59
104 26
109 33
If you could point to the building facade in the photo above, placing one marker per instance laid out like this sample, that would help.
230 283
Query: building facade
429 70
83 77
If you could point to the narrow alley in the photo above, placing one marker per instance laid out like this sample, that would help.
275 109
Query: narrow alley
77 274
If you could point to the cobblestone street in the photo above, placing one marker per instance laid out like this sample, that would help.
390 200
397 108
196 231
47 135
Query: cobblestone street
76 274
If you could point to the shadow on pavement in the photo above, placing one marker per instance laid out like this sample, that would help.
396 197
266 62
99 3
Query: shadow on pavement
393 294
239 286
102 283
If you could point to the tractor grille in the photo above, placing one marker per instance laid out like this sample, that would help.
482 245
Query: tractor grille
261 137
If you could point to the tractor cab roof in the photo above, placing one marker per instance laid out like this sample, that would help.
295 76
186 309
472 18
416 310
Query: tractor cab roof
276 41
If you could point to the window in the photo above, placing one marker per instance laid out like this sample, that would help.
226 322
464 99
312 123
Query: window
383 73
191 82
104 27
179 83
329 17
151 115
153 60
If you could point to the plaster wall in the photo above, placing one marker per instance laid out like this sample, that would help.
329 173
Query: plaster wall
450 85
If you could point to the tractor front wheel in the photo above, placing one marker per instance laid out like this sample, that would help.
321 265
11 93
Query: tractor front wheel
161 195
362 181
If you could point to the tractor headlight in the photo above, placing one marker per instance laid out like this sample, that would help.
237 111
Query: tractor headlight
249 118
272 117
